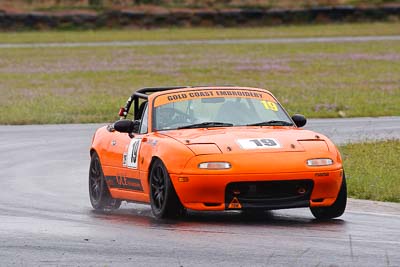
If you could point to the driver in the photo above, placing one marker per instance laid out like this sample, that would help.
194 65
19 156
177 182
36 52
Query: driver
168 117
164 117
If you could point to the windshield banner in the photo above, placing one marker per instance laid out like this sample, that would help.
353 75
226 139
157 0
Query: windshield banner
229 93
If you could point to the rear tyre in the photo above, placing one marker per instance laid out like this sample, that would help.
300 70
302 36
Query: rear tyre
100 197
336 209
163 199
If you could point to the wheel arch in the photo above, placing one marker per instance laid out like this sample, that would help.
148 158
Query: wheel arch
153 159
162 151
173 203
92 150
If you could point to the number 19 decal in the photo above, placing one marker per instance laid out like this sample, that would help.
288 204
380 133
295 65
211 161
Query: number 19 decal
269 105
258 143
130 159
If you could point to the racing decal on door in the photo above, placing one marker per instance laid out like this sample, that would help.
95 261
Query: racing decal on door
258 143
130 158
123 182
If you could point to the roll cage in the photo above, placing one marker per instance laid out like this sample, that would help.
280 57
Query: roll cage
142 93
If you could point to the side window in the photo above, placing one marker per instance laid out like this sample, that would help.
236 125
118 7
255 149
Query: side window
144 120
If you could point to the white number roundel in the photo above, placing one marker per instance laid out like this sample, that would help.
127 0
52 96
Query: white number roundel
258 143
133 153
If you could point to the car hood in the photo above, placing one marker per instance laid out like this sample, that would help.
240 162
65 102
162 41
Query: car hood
248 139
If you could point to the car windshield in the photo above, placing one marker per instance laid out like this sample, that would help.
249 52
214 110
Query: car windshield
217 108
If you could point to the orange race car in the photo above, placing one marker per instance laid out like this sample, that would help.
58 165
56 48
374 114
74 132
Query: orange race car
214 148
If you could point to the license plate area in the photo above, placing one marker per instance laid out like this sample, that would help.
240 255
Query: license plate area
268 194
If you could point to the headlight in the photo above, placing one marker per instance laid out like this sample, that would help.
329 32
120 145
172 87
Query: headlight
214 165
319 162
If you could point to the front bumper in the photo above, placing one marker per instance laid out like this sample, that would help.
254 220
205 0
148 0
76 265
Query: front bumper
257 191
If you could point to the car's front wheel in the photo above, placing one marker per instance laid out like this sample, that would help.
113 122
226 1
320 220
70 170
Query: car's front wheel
163 199
336 209
100 197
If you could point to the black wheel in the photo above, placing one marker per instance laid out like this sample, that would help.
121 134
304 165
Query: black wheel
98 191
337 208
163 199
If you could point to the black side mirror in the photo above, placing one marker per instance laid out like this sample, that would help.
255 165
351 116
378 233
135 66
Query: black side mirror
127 126
299 120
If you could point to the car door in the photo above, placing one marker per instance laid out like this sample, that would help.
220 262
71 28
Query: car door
127 182
132 156
114 173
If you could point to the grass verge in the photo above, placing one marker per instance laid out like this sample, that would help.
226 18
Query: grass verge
345 29
88 84
372 170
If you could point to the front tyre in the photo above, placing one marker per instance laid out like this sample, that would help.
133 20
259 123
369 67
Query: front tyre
163 199
98 191
336 209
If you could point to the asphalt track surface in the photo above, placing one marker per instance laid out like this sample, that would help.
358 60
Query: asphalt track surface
46 218
340 39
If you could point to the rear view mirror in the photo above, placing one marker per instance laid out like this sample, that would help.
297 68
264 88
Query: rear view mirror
127 126
299 120
213 100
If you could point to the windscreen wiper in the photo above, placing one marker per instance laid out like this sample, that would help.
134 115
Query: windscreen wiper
271 123
206 124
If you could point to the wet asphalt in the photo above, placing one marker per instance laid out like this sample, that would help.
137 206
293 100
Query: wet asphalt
46 218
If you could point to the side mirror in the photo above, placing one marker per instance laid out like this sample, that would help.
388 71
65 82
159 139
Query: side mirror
299 120
127 126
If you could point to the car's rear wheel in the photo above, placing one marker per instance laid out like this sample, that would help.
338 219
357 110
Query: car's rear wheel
336 209
98 191
163 199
